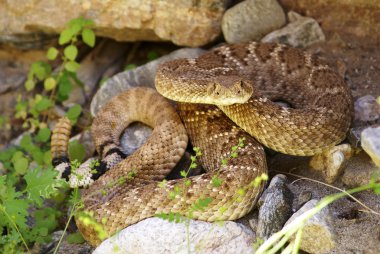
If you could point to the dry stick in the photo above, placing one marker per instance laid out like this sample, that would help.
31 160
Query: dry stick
331 186
132 52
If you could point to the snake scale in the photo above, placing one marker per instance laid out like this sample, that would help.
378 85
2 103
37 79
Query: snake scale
242 81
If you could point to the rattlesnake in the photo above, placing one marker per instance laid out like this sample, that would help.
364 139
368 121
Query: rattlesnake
249 76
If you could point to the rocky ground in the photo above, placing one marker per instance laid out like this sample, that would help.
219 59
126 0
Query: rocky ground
345 33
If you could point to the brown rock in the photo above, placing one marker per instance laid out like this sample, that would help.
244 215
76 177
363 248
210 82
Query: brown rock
184 22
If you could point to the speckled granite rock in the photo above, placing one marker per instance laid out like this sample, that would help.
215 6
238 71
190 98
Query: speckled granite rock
157 236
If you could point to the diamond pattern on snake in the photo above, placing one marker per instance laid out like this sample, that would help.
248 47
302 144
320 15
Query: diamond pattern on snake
226 95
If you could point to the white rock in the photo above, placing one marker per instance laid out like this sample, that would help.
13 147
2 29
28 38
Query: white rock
251 20
318 235
300 32
157 236
331 162
370 140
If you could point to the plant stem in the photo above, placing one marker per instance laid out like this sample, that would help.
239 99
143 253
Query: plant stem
72 211
15 226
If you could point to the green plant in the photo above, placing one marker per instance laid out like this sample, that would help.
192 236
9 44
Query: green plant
202 203
30 179
281 240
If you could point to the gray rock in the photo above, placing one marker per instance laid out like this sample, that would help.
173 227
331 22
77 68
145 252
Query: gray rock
12 75
366 108
359 170
354 134
275 207
302 199
370 141
85 138
318 235
141 76
134 136
251 20
155 235
300 32
64 248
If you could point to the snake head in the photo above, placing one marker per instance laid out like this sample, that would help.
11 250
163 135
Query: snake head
228 90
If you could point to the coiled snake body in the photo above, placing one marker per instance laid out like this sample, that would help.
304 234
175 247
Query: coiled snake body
242 80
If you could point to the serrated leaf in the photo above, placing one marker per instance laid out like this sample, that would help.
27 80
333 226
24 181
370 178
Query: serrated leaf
70 52
76 151
50 83
16 207
43 135
46 218
74 112
65 36
72 66
88 37
29 85
41 184
52 53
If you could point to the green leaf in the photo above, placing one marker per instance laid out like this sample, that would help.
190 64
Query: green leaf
76 151
41 184
152 55
65 36
47 157
26 143
88 37
130 67
70 52
46 217
75 238
201 204
50 83
43 104
81 21
43 135
52 53
74 112
64 86
38 156
72 66
16 207
21 166
41 70
29 85
216 182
